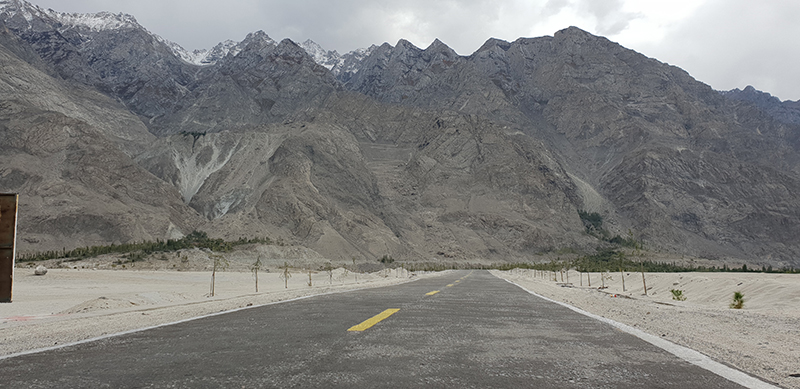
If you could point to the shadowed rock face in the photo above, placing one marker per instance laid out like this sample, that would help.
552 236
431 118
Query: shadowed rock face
420 154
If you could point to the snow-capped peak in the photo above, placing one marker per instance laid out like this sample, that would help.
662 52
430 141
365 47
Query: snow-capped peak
204 57
259 37
335 62
21 7
218 52
328 59
100 21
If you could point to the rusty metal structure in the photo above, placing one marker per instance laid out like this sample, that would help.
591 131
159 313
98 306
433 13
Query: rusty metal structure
8 239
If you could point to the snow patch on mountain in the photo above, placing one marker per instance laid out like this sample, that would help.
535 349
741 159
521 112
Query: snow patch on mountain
339 64
204 57
352 60
209 57
20 7
328 59
201 57
101 21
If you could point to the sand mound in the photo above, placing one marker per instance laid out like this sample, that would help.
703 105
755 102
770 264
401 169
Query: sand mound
100 303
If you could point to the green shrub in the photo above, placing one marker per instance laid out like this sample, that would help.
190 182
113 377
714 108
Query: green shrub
677 294
738 300
593 221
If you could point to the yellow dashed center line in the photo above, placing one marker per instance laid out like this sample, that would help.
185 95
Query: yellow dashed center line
373 320
458 280
432 293
449 285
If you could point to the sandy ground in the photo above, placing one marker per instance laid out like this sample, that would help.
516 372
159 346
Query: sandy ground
70 305
762 339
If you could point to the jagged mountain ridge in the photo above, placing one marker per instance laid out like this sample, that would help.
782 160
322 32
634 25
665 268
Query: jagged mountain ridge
782 111
422 153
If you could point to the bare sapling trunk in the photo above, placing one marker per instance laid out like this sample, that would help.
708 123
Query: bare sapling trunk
622 273
219 262
285 275
644 283
255 268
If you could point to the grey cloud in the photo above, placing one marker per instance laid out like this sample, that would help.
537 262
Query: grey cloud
553 7
734 43
611 19
342 25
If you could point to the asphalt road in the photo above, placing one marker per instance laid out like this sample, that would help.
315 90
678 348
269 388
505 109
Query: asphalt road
477 331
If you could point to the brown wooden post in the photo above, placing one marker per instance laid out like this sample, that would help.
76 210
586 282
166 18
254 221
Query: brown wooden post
8 239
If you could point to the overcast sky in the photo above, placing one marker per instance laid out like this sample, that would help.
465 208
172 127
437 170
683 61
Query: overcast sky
725 43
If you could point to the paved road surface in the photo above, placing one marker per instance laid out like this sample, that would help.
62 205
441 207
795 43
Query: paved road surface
481 332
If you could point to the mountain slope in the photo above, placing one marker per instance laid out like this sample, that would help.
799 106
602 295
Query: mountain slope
612 115
78 183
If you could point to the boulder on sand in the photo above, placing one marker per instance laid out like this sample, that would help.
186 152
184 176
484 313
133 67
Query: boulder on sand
40 270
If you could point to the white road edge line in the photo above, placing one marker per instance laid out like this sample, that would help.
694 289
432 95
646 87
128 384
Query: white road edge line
39 350
694 357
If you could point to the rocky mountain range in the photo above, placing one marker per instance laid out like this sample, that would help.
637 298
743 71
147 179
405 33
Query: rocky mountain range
113 134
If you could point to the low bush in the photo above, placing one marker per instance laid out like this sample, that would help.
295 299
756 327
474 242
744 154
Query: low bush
677 294
738 300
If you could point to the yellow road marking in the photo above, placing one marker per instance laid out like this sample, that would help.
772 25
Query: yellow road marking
449 285
432 293
458 280
373 320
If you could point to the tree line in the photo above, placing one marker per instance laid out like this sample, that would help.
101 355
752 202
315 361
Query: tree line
196 239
